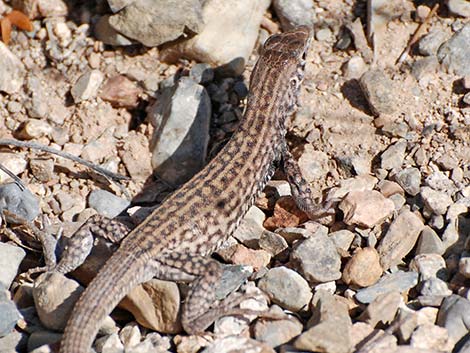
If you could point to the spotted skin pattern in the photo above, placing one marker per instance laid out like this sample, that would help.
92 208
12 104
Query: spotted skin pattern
174 242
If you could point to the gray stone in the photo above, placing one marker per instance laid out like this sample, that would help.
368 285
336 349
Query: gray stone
399 282
455 53
430 43
22 203
181 118
435 287
286 288
378 90
331 331
436 201
354 68
454 315
323 34
42 169
342 239
294 13
116 5
272 243
317 258
240 89
429 242
12 71
233 68
359 183
382 309
277 332
9 314
466 99
108 35
202 73
10 260
153 23
251 227
459 7
14 342
291 234
464 266
440 181
313 164
393 156
106 203
398 201
465 348
425 66
37 106
429 266
232 278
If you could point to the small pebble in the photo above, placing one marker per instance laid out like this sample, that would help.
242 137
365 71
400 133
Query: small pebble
87 86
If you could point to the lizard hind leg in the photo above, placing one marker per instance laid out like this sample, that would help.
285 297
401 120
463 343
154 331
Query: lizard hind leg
201 308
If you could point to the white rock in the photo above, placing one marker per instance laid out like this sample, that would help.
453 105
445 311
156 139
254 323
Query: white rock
12 71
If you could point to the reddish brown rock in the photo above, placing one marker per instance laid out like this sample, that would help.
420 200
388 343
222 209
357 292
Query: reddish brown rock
120 92
239 254
286 214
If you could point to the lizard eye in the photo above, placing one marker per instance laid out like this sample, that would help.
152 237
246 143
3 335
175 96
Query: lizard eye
294 82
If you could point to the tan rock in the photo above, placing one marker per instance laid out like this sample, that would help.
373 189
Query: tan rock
155 304
400 239
54 296
363 269
382 309
431 337
366 208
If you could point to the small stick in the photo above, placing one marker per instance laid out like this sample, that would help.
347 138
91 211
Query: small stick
67 155
17 180
418 32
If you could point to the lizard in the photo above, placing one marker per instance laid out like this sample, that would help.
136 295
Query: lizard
175 241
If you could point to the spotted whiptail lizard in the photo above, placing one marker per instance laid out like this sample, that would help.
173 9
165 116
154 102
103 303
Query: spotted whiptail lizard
174 242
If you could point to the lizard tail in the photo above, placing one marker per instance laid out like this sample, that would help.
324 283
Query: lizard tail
119 275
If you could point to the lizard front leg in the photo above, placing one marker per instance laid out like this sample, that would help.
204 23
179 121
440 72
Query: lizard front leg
301 190
80 245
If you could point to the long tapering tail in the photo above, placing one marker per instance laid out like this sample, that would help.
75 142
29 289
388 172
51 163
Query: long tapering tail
119 275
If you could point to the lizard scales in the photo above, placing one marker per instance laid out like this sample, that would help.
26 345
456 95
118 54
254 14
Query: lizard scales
205 211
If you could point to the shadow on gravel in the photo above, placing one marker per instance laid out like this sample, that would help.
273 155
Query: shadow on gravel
353 93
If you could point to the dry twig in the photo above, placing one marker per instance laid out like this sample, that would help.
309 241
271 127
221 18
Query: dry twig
37 146
419 31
